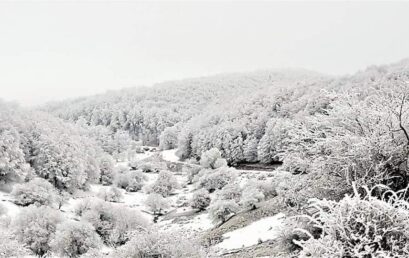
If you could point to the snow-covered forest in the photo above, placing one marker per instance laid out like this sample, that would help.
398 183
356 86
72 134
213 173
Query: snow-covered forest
284 163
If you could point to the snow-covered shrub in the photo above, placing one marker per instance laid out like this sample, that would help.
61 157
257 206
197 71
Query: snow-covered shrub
212 159
146 167
251 197
161 244
231 191
35 227
106 167
10 247
200 200
37 191
164 185
268 188
359 227
221 210
217 179
131 181
114 224
74 238
156 203
112 194
191 172
86 204
168 139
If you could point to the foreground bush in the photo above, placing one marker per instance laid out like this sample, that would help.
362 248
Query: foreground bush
35 227
155 244
113 223
359 227
251 197
10 247
74 238
221 210
37 191
200 200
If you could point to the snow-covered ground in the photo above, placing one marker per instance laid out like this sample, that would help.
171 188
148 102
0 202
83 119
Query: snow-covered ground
170 155
261 230
6 201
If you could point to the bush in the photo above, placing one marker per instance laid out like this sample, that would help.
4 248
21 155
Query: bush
212 159
113 224
217 179
168 138
157 203
221 210
163 244
131 181
86 205
164 185
37 191
191 173
10 247
250 197
112 194
231 191
106 166
359 227
74 238
146 167
200 200
35 227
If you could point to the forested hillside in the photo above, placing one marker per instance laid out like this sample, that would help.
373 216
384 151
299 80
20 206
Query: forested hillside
83 169
167 113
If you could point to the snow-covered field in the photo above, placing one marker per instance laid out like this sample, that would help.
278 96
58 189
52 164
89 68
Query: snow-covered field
261 230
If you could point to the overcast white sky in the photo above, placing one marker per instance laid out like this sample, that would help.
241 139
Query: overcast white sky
54 50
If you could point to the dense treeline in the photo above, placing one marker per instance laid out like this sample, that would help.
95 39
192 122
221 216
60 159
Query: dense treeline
146 113
37 144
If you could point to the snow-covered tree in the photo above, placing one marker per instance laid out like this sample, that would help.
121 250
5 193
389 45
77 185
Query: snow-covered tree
156 203
221 210
164 185
165 244
74 238
131 181
217 179
12 162
114 225
106 166
35 227
37 191
168 138
251 197
112 194
211 159
200 200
